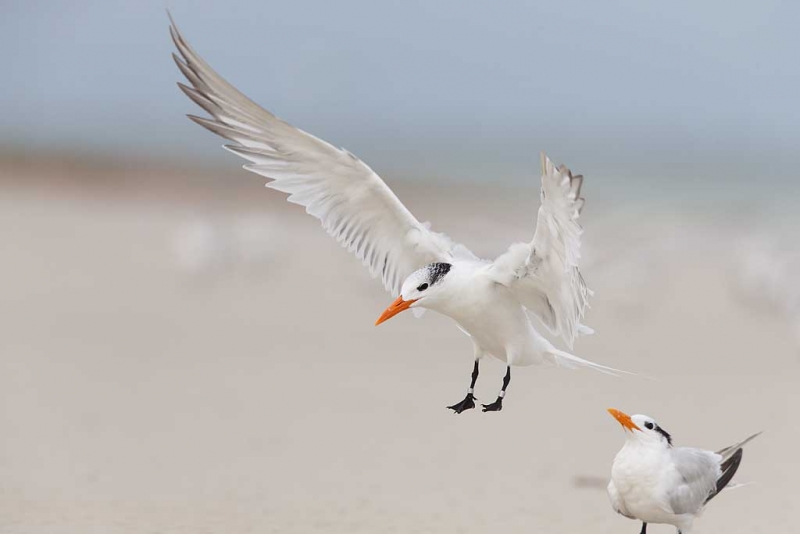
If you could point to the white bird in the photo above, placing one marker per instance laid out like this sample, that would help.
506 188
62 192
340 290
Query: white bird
654 482
489 300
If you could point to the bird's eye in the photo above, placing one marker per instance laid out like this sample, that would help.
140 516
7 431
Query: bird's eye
423 287
648 425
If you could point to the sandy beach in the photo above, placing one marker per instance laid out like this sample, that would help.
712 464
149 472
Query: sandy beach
187 353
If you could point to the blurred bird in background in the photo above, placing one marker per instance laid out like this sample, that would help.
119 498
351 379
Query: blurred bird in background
213 246
766 276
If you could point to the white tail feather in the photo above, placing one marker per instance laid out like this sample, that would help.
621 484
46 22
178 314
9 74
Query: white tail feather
565 359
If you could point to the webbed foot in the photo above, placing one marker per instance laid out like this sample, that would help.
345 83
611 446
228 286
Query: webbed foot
467 404
496 406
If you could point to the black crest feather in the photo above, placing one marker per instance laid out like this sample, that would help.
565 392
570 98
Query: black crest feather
665 434
437 270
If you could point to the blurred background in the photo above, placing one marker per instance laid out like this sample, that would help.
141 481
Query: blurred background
182 351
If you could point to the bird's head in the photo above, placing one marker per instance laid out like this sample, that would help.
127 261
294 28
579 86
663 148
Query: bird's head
420 289
642 428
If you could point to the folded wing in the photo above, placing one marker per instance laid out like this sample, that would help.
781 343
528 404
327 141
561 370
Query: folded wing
352 202
543 274
698 473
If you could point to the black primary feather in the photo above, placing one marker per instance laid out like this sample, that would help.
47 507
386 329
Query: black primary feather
729 468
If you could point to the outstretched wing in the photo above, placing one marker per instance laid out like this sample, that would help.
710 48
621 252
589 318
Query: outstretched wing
352 202
543 274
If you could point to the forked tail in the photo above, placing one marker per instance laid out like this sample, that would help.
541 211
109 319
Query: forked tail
731 458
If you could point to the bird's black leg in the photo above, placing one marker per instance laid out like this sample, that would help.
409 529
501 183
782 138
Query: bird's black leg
644 528
497 405
469 401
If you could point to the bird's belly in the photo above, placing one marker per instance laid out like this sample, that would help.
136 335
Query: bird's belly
492 344
496 328
494 319
642 504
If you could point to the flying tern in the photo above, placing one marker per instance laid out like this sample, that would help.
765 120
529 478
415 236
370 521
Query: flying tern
491 301
654 482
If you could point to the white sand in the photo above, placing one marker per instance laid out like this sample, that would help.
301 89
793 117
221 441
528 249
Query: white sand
138 397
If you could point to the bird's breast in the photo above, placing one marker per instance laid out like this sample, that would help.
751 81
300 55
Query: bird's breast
638 477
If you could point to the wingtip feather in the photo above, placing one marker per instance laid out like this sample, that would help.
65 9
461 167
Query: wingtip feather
546 163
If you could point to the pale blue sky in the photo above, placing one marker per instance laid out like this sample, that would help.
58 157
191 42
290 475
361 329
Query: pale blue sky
471 88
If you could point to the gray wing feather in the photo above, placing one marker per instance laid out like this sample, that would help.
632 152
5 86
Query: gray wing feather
727 452
699 471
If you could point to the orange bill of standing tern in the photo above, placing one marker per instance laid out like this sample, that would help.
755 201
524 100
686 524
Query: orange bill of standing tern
624 419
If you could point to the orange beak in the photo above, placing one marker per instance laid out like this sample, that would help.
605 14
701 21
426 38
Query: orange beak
624 419
394 308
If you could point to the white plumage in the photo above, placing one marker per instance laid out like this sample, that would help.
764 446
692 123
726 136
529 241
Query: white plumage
352 202
490 300
544 274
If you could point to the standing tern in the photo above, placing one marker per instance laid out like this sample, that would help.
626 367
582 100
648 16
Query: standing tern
489 300
654 482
